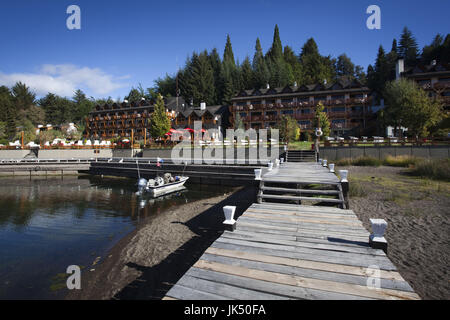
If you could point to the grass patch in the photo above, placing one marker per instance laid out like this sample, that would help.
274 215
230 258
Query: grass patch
357 190
367 162
436 169
300 145
400 161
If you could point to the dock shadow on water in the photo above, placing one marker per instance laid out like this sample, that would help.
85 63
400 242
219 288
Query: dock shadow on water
47 224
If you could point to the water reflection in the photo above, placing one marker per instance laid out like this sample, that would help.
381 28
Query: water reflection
48 224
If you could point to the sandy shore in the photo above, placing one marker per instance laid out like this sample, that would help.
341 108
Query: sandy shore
418 216
145 263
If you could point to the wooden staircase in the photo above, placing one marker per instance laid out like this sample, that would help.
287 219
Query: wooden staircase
300 156
301 183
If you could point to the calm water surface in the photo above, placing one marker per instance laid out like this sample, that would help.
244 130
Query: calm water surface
49 224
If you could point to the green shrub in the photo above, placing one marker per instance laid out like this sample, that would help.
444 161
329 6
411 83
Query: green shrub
344 162
367 161
400 161
437 169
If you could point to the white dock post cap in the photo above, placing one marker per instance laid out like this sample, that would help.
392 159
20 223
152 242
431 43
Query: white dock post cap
270 165
331 167
344 175
324 162
320 161
378 227
258 174
376 238
228 212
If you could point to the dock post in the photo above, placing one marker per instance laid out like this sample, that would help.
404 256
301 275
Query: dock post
376 238
260 192
229 223
345 186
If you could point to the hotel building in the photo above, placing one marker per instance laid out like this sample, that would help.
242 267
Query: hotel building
347 104
121 119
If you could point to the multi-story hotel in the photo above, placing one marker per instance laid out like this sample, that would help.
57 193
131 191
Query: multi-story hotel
347 104
123 119
434 78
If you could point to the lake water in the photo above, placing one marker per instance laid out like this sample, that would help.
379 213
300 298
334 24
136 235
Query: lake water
49 224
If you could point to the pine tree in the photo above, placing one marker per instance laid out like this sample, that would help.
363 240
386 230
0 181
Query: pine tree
345 67
228 56
23 97
216 65
159 122
394 46
381 72
246 73
315 68
261 74
408 48
434 50
294 64
276 51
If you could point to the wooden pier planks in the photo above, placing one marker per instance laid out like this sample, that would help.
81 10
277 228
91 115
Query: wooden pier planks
301 173
303 257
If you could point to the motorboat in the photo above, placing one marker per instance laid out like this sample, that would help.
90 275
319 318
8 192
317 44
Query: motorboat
161 185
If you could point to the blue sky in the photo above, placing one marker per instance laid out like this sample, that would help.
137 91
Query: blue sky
124 43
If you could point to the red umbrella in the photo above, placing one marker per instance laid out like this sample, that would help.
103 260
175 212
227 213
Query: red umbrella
168 134
189 129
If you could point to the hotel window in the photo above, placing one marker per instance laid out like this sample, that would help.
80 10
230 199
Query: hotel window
304 122
305 111
446 94
338 109
303 99
356 96
338 121
242 114
255 102
270 101
357 109
286 100
323 98
287 112
241 103
444 80
422 82
341 97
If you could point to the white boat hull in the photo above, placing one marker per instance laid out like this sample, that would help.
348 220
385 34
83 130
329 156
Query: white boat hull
166 188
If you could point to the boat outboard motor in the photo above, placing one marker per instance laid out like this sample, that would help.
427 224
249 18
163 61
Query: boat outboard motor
142 184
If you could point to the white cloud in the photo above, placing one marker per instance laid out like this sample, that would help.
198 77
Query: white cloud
64 79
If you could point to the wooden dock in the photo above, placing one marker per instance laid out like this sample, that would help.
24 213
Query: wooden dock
300 182
291 251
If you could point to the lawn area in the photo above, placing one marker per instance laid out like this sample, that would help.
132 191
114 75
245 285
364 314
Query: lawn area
300 145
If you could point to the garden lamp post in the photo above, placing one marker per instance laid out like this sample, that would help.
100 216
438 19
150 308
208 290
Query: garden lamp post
318 132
